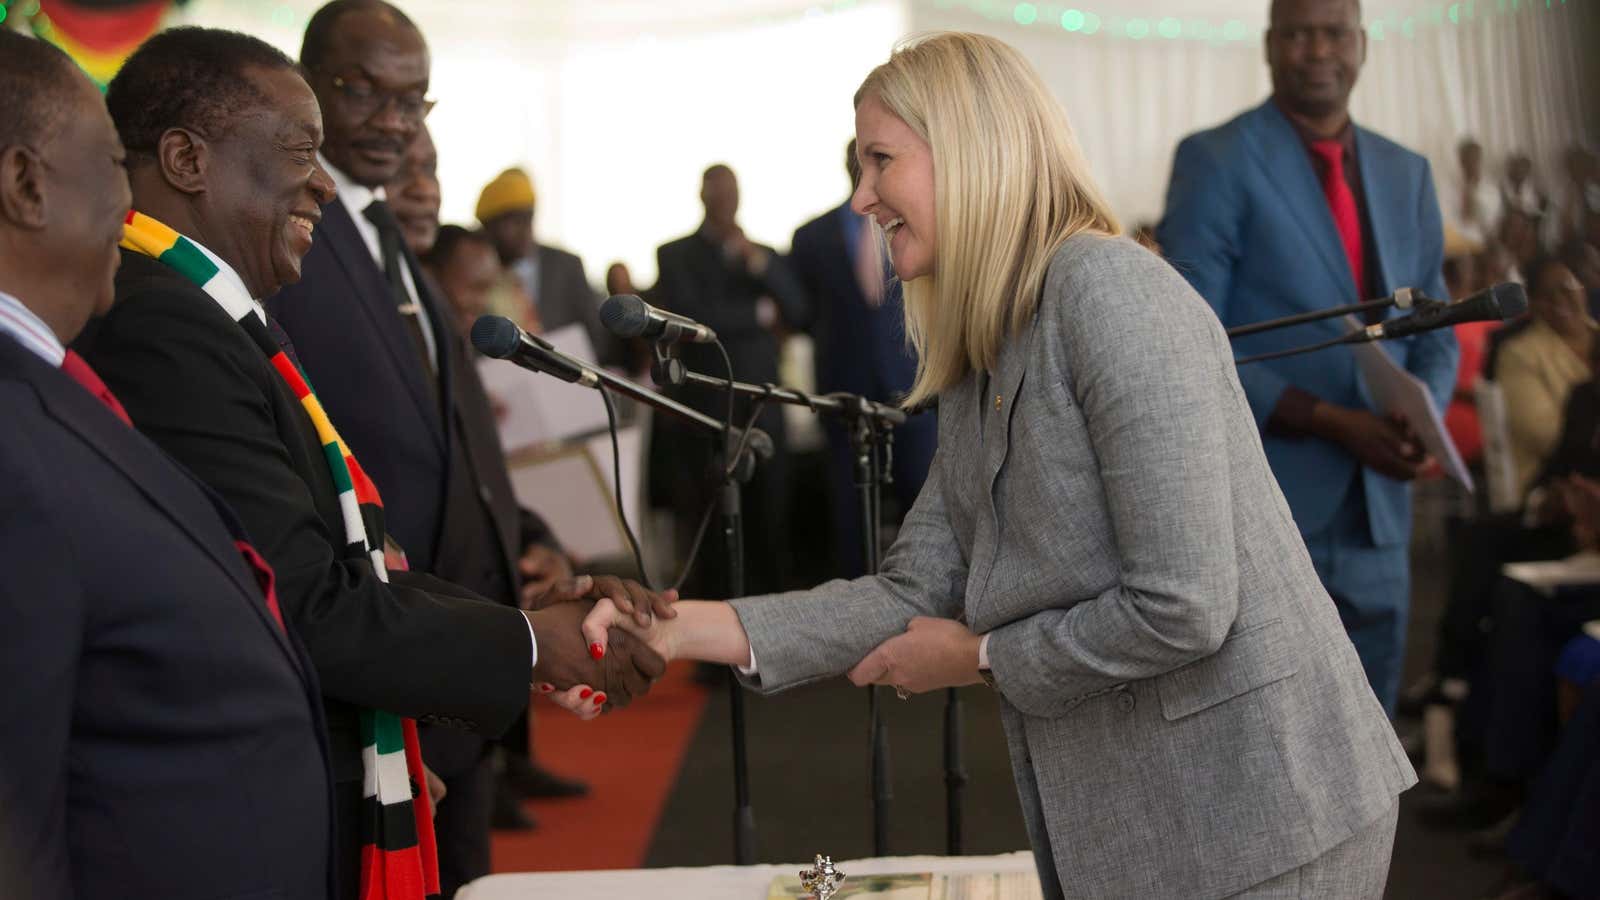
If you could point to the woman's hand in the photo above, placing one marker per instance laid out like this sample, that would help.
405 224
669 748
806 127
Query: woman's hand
635 618
581 700
932 654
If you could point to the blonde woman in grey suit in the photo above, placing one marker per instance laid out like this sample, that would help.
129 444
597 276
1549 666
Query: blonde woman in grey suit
1100 538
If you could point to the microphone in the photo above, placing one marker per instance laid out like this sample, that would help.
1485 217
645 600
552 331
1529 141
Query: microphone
627 316
499 337
1503 301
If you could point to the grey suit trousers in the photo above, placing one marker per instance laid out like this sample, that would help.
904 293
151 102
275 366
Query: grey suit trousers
1357 869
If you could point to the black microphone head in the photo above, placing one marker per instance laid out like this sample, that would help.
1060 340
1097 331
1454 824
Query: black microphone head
1510 300
625 315
495 336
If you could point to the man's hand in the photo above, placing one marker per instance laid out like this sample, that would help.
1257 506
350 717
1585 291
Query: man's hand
621 671
932 654
541 567
436 789
1388 446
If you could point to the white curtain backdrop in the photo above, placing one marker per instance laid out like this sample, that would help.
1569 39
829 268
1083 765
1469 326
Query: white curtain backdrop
615 106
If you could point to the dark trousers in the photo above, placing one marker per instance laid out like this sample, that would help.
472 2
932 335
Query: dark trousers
461 826
688 484
1516 722
1557 838
1478 548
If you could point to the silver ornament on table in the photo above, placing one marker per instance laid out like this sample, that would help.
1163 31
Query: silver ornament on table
822 879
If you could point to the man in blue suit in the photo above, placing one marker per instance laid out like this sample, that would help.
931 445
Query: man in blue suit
1290 208
859 329
160 732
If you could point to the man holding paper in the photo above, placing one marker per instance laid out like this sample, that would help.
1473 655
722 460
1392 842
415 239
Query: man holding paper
1288 208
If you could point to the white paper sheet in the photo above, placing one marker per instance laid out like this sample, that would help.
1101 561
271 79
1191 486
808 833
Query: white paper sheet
1397 391
533 408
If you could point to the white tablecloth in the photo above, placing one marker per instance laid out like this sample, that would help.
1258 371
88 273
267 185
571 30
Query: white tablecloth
711 882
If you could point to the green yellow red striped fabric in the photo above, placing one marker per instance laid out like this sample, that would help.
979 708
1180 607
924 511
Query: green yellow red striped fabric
398 857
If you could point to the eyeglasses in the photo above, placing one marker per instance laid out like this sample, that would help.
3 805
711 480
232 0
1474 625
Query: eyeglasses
1300 36
367 100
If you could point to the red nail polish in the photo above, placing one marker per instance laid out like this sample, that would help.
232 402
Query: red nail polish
599 699
596 651
584 694
546 687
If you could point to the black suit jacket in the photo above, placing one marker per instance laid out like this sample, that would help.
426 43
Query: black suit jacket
161 736
437 462
195 382
696 281
563 297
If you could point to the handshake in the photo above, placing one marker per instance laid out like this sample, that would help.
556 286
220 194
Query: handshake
600 667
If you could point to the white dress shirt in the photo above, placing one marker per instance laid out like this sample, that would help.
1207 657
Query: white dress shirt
30 330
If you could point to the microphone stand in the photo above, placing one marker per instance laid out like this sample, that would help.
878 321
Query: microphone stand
751 444
1403 298
871 428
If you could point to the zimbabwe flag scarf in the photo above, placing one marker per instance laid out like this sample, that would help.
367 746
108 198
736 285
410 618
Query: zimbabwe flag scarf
398 855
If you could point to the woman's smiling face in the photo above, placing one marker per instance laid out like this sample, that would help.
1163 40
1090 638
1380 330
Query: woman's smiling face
896 187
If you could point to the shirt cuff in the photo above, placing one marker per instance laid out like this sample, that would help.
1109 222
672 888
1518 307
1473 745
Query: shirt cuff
750 671
983 653
533 643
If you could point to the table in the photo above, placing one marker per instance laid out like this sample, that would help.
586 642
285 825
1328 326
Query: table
712 882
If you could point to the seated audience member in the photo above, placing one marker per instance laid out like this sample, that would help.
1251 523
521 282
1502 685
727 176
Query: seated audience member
226 189
1583 258
464 265
1576 199
1520 190
1469 201
1537 368
1520 238
162 732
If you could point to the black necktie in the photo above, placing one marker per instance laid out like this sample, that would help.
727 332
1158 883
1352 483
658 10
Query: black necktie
389 238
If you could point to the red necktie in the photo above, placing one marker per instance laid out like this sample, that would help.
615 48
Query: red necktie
264 577
78 370
1342 203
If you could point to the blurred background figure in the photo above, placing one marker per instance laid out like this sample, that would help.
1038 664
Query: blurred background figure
746 293
414 194
554 292
1538 367
861 348
1576 200
1519 189
1469 201
467 270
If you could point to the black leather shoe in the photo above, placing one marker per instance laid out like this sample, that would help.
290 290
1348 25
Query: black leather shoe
526 779
507 813
1479 805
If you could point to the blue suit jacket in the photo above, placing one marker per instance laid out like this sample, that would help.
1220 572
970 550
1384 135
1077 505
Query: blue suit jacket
160 733
1248 225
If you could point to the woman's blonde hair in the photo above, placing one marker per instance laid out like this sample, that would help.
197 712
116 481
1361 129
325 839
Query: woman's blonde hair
1010 186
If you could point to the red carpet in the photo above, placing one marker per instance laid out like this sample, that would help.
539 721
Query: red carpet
630 759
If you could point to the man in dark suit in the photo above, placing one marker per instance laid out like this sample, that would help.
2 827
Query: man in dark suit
861 349
162 732
1289 208
398 378
549 277
747 294
229 164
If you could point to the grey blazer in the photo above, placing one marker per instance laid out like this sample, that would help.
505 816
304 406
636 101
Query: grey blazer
1185 715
